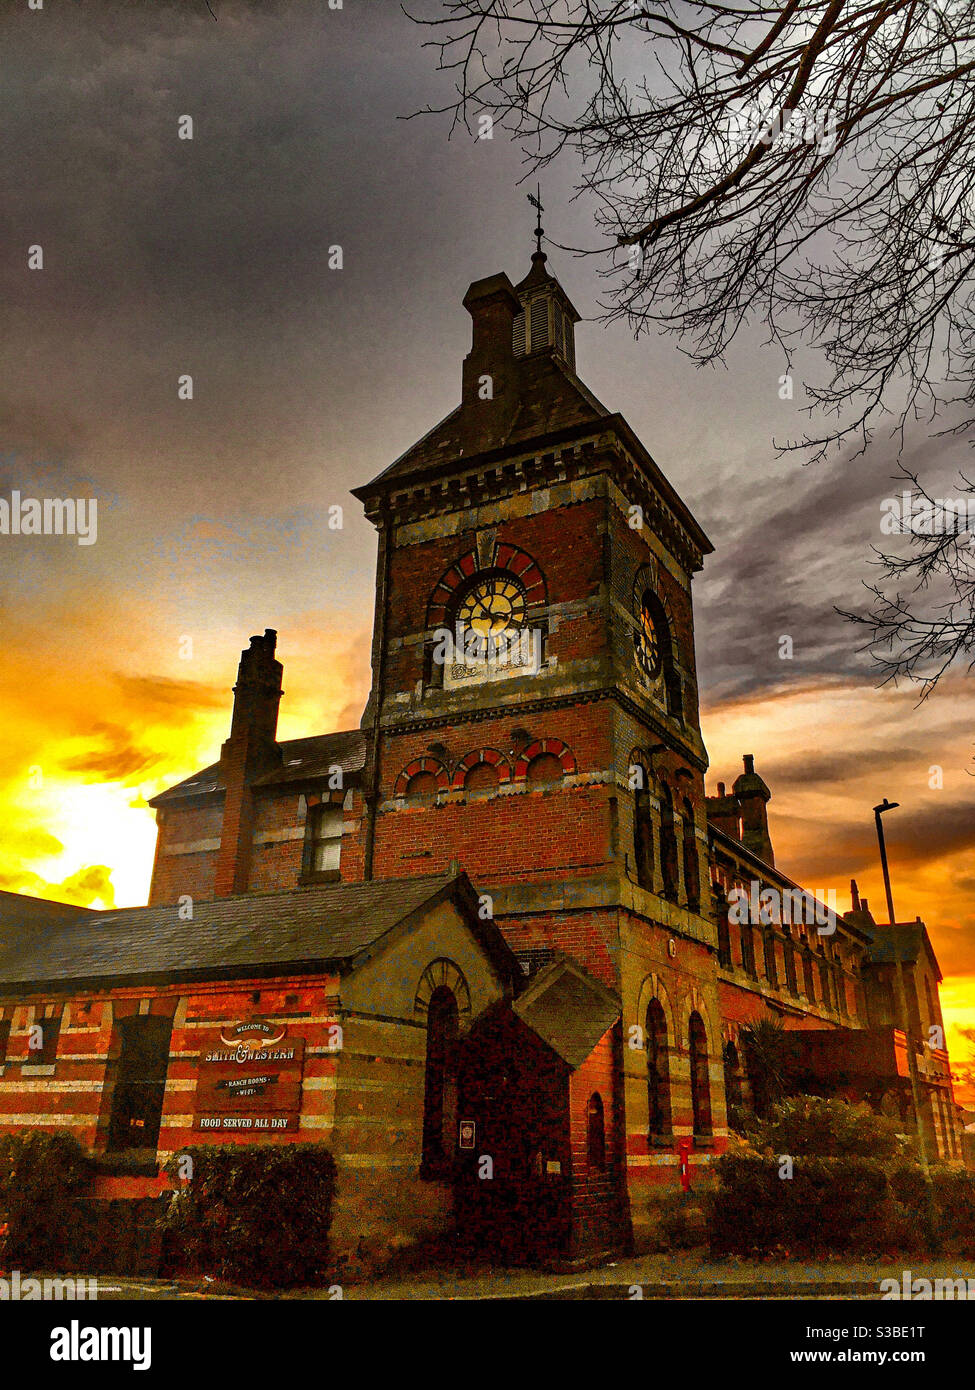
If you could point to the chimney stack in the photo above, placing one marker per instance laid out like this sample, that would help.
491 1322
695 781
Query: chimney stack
490 375
753 796
724 813
250 750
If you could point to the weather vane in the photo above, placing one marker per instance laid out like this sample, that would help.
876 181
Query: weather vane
536 201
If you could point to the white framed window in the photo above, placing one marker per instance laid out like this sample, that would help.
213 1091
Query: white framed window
325 838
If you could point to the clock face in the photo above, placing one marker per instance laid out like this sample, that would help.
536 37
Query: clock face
492 605
647 640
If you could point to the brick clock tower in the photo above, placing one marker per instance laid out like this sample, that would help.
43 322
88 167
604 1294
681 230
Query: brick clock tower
534 711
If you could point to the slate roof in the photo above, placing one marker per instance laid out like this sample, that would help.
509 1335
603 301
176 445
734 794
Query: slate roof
18 910
335 924
568 1009
302 759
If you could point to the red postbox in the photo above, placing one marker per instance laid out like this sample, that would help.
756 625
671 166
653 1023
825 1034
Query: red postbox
684 1147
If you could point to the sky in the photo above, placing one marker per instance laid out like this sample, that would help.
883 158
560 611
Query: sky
210 258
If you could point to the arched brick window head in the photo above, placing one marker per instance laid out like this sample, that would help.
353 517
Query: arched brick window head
440 1086
545 748
423 784
700 1082
596 1134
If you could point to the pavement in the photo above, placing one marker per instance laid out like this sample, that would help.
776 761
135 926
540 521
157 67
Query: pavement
683 1275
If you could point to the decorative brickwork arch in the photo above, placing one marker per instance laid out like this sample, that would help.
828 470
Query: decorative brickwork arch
639 757
693 1002
653 987
506 559
470 760
442 973
561 750
433 766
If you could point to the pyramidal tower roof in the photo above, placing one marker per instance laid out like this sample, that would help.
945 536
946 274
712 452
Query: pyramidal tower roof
519 379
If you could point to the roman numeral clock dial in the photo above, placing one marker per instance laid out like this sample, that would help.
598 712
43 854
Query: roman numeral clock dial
647 641
493 606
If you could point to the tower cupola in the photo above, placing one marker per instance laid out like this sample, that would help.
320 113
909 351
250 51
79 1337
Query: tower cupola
547 318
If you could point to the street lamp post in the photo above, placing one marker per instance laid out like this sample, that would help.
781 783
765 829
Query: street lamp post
878 811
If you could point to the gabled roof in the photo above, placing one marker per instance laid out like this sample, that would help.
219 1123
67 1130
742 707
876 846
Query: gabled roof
568 1009
332 926
302 759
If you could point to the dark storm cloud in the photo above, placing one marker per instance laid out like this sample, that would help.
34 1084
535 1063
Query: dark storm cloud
795 547
827 769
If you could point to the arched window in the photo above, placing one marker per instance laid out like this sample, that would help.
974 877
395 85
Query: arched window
658 1070
543 770
596 1133
668 845
440 1091
642 828
692 872
700 1083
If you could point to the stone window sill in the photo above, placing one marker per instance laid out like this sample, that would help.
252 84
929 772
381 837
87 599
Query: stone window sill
26 1070
326 876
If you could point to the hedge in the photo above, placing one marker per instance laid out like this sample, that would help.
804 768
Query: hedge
256 1214
850 1205
42 1174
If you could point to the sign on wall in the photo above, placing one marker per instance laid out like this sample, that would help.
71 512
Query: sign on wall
250 1081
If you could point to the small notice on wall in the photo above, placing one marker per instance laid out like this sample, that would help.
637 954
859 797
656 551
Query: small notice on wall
250 1080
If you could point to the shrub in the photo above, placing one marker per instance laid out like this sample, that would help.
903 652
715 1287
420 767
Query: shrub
827 1204
42 1172
255 1214
811 1125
